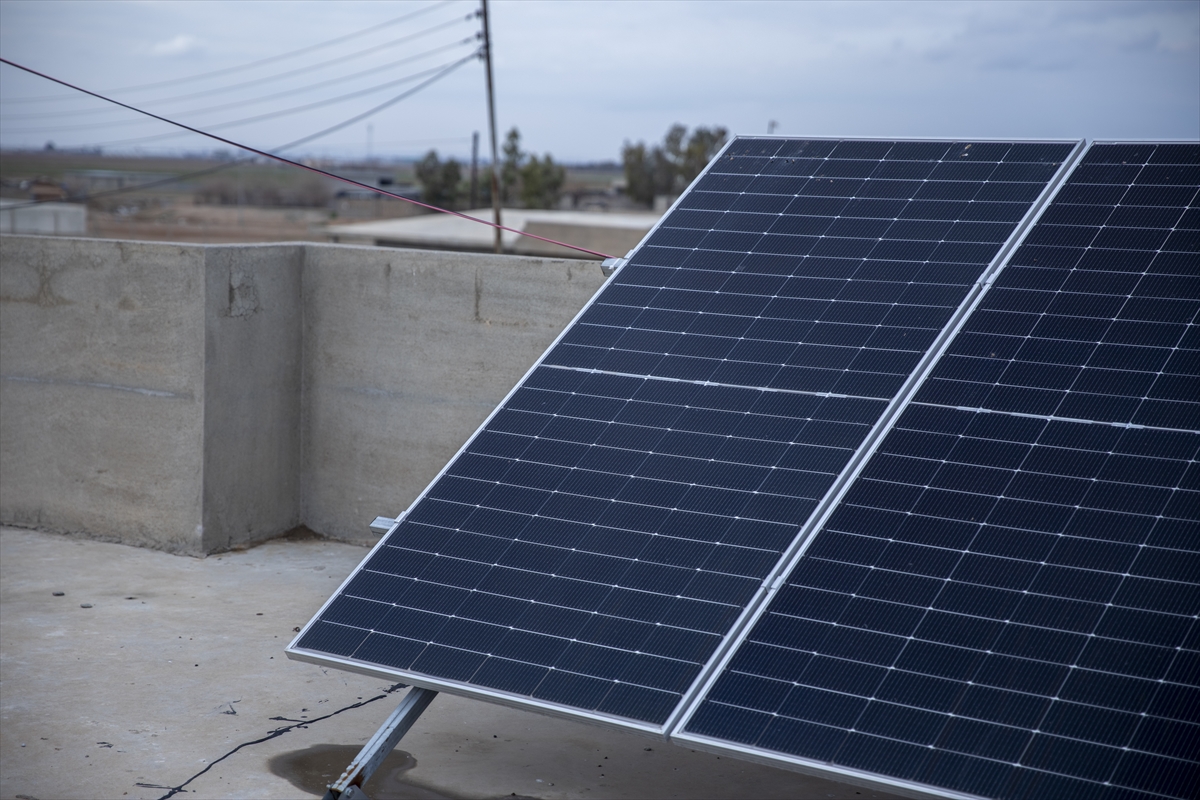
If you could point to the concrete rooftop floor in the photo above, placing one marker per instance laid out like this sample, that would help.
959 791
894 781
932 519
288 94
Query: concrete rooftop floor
151 669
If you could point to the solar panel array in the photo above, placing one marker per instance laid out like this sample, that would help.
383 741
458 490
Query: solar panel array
1005 601
1002 602
597 539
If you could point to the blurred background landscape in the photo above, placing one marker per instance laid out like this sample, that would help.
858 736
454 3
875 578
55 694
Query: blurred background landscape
599 107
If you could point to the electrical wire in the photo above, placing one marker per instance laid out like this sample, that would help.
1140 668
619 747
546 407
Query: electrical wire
252 64
240 161
275 734
440 70
305 167
227 89
263 98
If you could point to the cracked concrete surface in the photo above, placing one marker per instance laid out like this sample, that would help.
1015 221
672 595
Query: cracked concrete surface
175 661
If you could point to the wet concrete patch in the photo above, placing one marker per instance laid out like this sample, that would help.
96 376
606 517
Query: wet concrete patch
314 768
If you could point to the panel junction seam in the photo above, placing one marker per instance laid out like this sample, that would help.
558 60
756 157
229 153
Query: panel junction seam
787 562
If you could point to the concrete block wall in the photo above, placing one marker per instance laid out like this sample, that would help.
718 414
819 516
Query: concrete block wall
196 398
102 389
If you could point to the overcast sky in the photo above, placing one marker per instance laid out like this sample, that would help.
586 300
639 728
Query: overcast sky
579 78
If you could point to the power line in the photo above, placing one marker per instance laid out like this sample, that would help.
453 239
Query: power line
252 64
238 162
376 109
227 89
406 142
305 167
263 98
441 69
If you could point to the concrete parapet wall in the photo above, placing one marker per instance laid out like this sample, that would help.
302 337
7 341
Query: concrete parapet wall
196 398
102 389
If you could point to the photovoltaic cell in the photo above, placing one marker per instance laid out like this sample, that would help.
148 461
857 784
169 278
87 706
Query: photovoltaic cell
1005 601
593 544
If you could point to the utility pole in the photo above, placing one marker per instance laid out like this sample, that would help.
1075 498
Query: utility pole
487 54
475 170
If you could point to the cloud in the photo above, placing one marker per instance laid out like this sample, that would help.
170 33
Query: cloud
1013 68
1027 63
1144 42
180 45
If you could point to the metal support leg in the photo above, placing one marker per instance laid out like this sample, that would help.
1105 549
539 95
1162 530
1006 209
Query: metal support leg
349 786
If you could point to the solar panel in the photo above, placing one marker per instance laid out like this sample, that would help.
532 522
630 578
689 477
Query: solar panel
1004 602
591 547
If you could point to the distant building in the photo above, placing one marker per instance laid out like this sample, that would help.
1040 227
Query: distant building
64 219
43 190
352 202
612 233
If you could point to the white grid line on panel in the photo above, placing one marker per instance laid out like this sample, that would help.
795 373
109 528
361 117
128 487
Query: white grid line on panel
1052 417
590 552
516 628
964 648
1012 559
835 395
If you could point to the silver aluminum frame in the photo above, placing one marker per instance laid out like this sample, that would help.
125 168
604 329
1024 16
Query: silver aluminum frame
820 769
692 696
817 521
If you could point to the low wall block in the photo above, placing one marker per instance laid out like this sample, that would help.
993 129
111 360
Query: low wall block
196 398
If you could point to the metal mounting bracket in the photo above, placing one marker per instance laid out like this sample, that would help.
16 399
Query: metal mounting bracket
349 785
382 525
609 265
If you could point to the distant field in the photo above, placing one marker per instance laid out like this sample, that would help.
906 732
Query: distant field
19 165
211 224
229 202
73 168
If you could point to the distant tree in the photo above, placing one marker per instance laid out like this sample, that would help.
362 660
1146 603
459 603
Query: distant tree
510 167
441 181
703 144
639 173
541 181
534 182
669 168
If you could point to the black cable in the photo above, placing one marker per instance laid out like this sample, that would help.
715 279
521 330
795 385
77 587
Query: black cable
260 62
174 790
226 89
256 100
